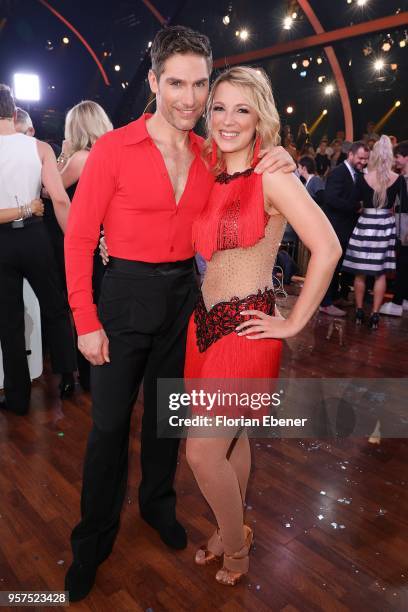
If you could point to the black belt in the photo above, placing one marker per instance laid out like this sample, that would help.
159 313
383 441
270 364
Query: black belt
21 223
129 266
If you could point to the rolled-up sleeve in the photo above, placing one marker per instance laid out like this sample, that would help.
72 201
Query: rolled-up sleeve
94 192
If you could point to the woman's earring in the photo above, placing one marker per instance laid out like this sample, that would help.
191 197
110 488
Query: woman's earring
257 148
214 155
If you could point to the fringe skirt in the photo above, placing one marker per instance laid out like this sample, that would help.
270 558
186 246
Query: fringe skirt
215 351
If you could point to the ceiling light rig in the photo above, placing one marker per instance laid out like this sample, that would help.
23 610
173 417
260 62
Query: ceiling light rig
287 22
379 65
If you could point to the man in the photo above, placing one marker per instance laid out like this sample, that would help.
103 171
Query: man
313 183
322 159
400 299
25 252
146 182
23 123
342 210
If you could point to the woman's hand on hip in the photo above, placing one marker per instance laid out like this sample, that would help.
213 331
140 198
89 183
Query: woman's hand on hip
265 326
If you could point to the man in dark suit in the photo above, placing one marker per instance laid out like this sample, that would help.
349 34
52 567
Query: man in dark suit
341 208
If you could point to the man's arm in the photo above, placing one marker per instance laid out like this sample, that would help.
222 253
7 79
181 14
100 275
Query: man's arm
52 182
93 195
333 194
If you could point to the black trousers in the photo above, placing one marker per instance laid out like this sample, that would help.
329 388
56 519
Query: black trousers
26 252
401 281
340 283
144 309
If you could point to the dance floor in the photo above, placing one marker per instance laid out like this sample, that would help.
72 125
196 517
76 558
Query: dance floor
330 516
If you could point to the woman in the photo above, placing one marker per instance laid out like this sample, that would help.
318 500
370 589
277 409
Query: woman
238 233
302 137
84 124
371 249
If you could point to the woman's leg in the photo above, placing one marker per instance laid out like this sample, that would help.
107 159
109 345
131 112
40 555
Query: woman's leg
220 486
359 289
240 459
379 291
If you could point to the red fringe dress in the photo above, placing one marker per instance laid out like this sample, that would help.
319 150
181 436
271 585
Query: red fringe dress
239 241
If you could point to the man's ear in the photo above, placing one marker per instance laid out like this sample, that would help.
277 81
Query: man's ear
153 81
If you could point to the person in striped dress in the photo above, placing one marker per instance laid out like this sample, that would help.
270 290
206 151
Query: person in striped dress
371 248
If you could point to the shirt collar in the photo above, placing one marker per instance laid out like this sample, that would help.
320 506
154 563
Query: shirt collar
136 132
351 170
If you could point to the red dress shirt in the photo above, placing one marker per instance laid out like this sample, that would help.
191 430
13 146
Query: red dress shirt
126 188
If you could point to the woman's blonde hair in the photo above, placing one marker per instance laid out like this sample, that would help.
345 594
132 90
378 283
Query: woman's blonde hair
381 162
259 91
84 124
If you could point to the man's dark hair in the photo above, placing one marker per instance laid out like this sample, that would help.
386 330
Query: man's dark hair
401 148
359 144
7 106
308 163
178 39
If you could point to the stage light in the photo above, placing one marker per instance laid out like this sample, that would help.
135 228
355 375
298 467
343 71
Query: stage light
386 46
359 100
149 44
303 73
329 89
123 85
402 43
27 87
65 40
361 2
325 111
226 19
319 60
321 78
117 67
350 62
397 104
294 65
379 64
236 32
349 1
244 34
393 66
287 23
294 15
305 63
289 110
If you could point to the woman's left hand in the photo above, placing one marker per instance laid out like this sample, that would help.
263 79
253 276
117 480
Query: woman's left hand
265 326
276 158
66 148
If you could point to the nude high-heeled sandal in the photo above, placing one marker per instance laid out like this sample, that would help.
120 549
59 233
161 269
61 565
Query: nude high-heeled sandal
235 566
211 552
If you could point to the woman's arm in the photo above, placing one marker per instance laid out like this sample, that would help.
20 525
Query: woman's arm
72 170
7 215
285 194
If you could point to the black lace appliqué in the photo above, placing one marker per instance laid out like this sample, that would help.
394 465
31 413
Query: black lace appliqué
225 178
224 317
